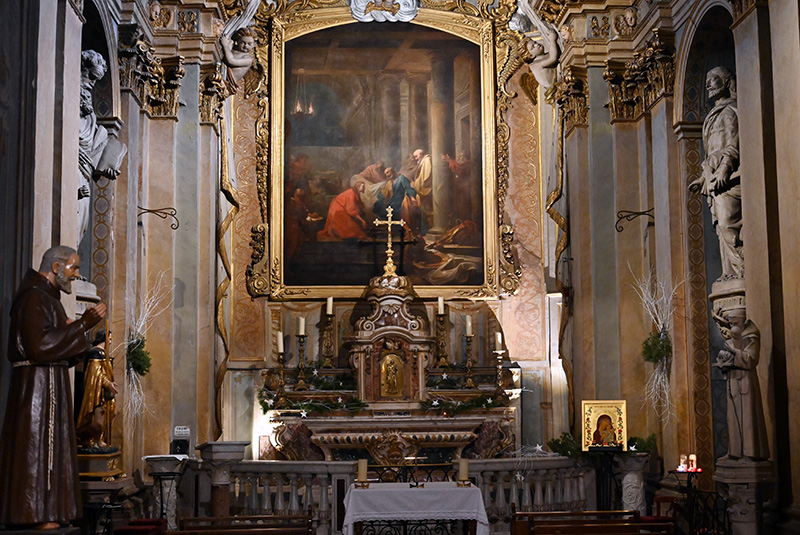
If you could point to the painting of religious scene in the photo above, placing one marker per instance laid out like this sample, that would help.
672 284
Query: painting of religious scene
604 425
380 119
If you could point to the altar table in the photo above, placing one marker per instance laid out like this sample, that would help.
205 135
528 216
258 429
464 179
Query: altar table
442 500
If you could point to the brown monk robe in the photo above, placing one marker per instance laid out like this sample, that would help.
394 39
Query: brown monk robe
38 462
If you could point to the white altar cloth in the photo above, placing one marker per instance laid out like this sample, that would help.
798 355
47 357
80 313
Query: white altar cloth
442 500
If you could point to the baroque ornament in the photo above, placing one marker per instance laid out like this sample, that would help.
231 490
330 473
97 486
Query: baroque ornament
384 10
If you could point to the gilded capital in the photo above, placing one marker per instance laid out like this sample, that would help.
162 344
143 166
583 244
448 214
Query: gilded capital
572 97
212 94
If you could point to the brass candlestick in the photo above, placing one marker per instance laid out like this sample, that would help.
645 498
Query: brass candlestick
441 342
327 341
470 383
500 391
280 399
301 368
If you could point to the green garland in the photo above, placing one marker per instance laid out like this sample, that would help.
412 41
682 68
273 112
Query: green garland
443 405
656 347
268 398
138 357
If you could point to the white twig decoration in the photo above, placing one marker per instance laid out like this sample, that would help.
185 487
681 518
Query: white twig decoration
157 299
658 300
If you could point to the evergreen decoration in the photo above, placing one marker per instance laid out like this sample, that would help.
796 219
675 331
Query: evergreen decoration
657 347
268 398
138 357
449 407
566 446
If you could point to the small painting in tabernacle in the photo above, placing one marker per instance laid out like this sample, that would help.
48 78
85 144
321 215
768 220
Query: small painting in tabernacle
604 425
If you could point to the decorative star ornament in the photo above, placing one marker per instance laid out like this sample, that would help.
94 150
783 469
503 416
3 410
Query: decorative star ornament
444 376
435 403
538 448
316 372
339 400
488 401
270 402
633 447
303 414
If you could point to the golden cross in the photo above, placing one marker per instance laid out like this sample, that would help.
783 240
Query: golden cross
389 268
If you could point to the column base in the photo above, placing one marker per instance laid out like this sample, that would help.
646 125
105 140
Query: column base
746 485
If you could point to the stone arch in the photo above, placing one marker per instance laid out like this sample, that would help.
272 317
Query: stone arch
100 34
707 42
708 24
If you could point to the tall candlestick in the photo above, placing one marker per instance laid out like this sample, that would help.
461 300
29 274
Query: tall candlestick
301 325
280 341
329 306
440 302
362 470
498 340
469 325
463 469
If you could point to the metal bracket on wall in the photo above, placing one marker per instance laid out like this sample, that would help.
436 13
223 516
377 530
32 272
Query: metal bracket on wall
627 215
163 213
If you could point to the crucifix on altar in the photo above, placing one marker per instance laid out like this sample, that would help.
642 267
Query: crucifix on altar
389 268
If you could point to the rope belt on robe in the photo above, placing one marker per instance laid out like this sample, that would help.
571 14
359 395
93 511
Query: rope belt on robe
51 424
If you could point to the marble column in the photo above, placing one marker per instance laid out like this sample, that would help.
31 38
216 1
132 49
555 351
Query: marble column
782 191
630 266
442 116
746 485
603 244
418 112
389 85
475 137
576 174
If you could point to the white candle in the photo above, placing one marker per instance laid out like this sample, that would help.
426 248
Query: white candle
280 341
329 306
301 325
440 302
498 341
362 470
463 469
469 325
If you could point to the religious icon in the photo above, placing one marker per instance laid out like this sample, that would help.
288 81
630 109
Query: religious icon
392 380
604 425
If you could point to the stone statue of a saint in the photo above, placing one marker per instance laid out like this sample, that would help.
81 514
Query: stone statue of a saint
738 361
98 153
720 181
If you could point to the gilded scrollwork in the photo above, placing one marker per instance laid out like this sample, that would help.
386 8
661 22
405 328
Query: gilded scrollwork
643 81
212 95
572 97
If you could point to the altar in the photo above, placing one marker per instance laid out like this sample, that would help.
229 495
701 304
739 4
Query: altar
390 390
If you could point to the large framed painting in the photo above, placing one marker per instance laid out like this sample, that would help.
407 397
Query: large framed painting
373 119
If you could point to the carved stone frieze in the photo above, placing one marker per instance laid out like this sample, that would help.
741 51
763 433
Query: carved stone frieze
212 95
643 81
187 21
154 81
572 97
392 447
599 27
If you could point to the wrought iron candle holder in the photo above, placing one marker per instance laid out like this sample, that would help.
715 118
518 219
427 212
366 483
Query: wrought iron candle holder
301 365
327 341
470 382
441 341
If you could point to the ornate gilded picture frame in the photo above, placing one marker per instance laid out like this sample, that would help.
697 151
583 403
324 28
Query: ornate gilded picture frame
605 425
363 117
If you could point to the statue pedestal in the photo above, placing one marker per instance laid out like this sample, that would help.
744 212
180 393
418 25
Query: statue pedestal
103 466
726 295
633 493
746 485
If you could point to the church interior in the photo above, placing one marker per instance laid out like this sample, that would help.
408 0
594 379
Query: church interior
499 244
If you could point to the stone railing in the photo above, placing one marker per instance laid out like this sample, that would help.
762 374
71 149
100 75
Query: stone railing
219 485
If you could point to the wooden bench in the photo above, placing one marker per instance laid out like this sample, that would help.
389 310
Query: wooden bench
248 525
584 523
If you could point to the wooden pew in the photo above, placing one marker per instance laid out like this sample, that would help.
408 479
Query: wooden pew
584 523
247 525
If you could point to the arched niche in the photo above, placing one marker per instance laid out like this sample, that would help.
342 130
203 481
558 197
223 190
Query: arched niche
99 34
707 43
